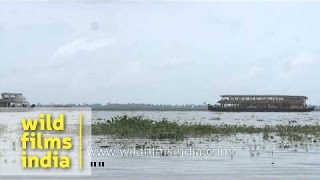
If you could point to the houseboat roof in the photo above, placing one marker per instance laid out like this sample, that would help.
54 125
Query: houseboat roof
13 97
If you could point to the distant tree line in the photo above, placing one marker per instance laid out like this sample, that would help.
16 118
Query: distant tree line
133 107
137 107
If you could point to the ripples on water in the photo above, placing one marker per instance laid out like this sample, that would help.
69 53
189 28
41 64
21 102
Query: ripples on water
266 161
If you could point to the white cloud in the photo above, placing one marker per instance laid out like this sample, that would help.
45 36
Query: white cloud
306 58
83 45
301 63
256 70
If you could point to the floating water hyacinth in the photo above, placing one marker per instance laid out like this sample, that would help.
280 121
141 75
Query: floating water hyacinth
140 127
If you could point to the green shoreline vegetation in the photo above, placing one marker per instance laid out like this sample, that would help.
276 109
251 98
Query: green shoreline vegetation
140 127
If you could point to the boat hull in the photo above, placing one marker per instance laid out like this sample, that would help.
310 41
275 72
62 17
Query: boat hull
220 109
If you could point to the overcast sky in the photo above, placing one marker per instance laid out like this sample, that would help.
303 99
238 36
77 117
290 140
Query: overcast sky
166 52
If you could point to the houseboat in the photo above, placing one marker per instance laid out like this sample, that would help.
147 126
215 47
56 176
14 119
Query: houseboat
13 100
261 103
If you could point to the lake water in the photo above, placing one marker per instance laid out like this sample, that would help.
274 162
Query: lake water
251 157
206 117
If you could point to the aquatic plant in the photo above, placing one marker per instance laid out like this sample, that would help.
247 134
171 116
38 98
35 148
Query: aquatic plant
215 118
140 127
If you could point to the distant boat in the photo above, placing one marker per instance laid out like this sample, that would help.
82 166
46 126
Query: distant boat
13 100
261 103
